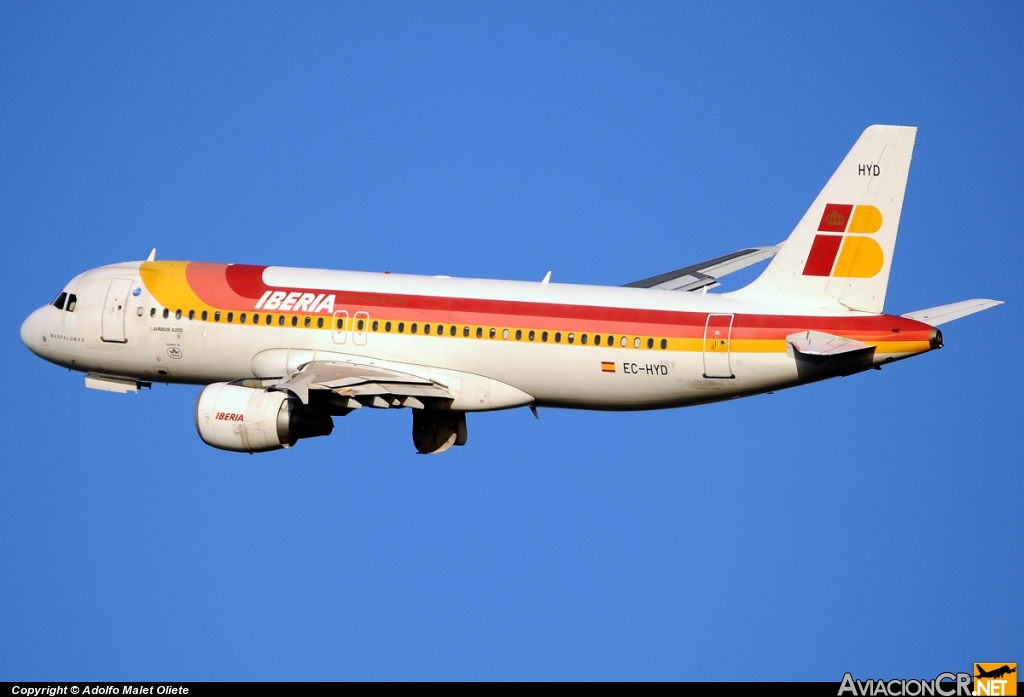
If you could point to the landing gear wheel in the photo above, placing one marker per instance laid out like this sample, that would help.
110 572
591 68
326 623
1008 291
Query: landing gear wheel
436 431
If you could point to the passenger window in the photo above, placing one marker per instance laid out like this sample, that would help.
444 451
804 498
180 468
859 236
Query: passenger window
636 342
205 315
401 327
177 314
426 328
558 337
152 312
216 316
280 320
479 332
320 322
192 314
374 325
413 328
241 318
167 313
519 334
493 333
360 325
597 339
544 336
307 321
255 318
532 335
270 318
650 343
339 323
664 343
571 338
231 317
387 326
465 331
583 339
59 301
295 321
73 301
139 312
452 329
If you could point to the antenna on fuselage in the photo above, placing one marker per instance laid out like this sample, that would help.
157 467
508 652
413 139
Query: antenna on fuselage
152 255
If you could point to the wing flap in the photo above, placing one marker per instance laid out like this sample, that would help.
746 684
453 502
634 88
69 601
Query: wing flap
366 385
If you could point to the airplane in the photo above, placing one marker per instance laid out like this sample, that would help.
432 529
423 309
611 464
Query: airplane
995 673
281 351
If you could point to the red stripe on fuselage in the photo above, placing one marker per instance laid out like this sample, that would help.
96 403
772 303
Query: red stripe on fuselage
237 287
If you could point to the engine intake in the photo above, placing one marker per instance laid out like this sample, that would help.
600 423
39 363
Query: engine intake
250 420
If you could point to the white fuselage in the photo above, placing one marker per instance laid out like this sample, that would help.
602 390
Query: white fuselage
483 373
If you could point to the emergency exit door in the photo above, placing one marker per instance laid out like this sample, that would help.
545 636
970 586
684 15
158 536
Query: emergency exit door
717 346
112 324
339 330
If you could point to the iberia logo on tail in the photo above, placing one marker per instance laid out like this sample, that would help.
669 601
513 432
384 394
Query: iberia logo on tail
860 257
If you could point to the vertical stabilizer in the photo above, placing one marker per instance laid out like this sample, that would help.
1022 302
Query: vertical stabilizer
840 254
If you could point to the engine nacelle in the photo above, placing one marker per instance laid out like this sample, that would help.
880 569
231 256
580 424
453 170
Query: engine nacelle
250 420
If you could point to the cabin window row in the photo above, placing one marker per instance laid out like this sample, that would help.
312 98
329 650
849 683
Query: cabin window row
243 318
439 329
530 335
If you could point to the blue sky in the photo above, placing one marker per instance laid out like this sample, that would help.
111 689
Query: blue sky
866 524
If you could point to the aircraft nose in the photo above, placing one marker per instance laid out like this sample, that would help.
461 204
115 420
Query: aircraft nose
28 331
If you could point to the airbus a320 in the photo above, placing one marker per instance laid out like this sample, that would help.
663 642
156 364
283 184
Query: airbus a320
281 351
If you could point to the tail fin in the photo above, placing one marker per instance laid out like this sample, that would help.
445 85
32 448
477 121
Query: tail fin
840 253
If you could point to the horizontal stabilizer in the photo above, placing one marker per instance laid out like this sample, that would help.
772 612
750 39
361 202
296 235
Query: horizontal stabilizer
702 276
821 344
947 313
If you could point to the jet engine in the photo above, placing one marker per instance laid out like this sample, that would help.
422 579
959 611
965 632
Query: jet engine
251 420
436 431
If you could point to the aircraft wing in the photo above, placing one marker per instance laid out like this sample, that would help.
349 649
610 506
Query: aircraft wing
348 386
703 275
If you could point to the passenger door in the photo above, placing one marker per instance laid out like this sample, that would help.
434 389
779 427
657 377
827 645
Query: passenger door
717 346
112 324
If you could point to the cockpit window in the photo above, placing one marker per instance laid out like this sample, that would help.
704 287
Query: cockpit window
72 301
59 302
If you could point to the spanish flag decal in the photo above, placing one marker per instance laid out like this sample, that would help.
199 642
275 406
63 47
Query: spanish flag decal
607 367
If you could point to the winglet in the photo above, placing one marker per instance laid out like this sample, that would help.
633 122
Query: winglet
947 313
547 278
152 255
